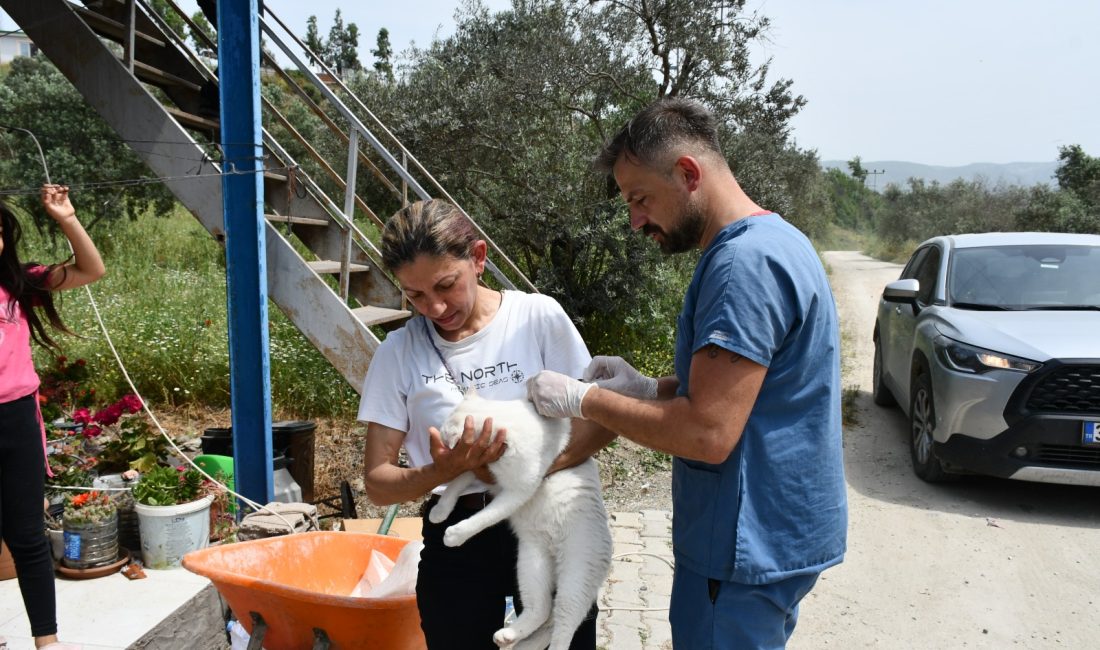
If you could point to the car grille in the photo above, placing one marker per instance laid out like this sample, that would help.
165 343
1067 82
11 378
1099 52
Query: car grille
1068 389
1064 455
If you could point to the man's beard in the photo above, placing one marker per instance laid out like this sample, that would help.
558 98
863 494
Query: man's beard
685 236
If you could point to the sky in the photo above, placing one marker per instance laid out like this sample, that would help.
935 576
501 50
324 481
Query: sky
939 82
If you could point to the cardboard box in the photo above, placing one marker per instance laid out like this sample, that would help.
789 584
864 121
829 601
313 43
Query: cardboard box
405 527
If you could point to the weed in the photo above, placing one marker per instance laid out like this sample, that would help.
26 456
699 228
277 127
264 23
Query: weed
848 408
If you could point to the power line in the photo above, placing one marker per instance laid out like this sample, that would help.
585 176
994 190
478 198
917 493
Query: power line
133 182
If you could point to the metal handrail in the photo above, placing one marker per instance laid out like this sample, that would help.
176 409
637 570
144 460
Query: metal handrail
269 140
408 180
375 143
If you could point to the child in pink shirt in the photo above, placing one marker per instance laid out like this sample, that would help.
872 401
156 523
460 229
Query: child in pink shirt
25 292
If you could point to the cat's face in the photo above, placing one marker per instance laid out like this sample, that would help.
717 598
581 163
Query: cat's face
452 428
471 405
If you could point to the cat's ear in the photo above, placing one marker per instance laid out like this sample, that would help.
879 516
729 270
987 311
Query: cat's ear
471 393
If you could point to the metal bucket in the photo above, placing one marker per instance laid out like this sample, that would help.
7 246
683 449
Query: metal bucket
90 545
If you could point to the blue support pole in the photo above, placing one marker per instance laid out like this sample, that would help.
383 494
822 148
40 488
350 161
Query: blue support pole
245 250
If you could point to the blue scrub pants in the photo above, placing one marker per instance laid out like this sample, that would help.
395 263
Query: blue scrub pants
709 614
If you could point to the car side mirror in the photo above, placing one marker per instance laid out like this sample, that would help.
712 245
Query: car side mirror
903 291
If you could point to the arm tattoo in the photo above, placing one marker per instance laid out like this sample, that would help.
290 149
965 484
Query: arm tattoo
712 353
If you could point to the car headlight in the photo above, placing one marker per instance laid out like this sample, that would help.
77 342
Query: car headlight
967 358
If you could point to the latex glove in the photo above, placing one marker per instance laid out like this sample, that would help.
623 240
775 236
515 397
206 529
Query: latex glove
614 373
557 396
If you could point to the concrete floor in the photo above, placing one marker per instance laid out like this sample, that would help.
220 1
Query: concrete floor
171 608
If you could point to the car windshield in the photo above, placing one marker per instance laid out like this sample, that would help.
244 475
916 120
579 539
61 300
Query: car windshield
1025 277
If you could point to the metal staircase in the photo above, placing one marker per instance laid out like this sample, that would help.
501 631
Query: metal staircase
323 269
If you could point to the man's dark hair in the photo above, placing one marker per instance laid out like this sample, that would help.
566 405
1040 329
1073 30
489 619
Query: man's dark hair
649 136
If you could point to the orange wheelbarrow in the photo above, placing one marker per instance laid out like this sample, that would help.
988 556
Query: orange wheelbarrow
291 592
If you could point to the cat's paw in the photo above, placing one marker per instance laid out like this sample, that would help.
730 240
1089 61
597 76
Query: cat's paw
455 536
438 514
505 637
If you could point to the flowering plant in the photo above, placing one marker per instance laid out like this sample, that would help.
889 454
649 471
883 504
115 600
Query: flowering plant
88 508
127 440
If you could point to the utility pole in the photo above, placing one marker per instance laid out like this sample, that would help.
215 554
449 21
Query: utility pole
875 173
245 246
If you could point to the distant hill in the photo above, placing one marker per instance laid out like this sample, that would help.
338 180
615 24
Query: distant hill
1021 173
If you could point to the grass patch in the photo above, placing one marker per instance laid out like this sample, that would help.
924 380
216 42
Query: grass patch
837 238
164 303
890 251
849 410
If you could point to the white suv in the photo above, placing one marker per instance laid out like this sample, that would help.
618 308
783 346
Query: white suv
991 344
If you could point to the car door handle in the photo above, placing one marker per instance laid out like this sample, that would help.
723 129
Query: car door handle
897 309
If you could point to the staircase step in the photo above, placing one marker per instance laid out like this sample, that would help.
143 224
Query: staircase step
190 120
377 315
158 77
301 221
111 28
333 266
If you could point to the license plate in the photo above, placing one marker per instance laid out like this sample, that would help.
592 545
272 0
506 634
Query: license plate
1090 435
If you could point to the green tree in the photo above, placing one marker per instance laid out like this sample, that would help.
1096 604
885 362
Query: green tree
1079 173
340 50
509 112
173 19
852 204
313 41
80 147
855 166
383 55
342 46
204 28
1057 211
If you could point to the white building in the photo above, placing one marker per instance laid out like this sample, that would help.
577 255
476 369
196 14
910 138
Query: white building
13 44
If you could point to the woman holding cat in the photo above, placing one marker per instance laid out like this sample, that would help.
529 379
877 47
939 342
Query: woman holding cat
466 336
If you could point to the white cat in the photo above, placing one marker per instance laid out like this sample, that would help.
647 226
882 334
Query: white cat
559 520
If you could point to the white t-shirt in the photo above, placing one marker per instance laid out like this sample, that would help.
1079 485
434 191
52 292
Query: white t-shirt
409 389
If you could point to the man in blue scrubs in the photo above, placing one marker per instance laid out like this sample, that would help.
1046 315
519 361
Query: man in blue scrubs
752 415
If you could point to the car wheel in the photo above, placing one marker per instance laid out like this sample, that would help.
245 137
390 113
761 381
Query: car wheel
880 394
922 426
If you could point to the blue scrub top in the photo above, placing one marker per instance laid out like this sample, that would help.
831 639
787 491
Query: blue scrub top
777 507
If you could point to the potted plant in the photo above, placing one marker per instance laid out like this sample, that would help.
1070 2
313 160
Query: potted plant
173 515
125 439
90 528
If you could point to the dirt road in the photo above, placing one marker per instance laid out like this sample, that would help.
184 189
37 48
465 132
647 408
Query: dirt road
979 563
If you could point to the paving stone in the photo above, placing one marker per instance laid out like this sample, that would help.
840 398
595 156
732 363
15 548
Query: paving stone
626 519
625 637
656 528
660 634
627 568
639 577
627 593
626 536
624 548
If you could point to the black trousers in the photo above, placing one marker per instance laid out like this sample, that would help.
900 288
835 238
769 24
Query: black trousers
22 524
460 591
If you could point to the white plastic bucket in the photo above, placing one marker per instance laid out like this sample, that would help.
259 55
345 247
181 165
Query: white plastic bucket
170 532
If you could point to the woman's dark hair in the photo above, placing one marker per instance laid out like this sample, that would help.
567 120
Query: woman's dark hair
433 227
28 290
